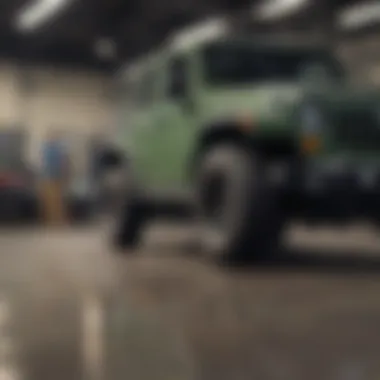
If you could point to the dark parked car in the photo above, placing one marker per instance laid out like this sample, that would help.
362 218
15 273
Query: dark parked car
18 194
19 199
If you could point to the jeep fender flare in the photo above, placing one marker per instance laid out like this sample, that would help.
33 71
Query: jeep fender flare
215 134
231 133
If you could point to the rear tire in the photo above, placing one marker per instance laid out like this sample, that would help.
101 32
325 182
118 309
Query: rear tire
129 226
131 214
247 221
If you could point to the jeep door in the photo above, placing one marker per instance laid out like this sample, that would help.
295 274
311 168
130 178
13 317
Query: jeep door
141 134
176 123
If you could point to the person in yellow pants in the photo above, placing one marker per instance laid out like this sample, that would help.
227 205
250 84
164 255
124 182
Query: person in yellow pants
52 202
54 174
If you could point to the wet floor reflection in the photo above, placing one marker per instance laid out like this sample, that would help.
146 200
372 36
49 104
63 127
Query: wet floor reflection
91 337
168 316
9 360
144 345
114 337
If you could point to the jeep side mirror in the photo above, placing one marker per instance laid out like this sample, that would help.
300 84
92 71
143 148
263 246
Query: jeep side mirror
180 93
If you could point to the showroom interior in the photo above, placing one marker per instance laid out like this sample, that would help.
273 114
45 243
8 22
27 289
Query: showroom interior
59 63
70 309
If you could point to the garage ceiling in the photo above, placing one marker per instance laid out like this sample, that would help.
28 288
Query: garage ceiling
133 25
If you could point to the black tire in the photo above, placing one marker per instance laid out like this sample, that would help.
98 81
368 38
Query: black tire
129 226
248 220
133 215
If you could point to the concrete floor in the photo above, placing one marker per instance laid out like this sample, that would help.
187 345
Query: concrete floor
70 310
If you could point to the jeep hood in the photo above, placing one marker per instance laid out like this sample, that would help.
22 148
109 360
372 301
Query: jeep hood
259 102
277 103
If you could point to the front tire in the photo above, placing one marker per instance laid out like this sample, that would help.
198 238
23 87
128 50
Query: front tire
238 209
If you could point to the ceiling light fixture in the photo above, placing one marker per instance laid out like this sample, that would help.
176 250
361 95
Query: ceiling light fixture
203 31
275 9
359 15
38 12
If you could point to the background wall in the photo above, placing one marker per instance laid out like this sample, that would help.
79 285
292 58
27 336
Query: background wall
9 96
38 99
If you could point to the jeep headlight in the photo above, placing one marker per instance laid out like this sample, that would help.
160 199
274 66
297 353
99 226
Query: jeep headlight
312 124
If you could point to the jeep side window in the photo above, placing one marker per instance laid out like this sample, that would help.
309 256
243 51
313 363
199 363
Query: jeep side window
231 64
177 78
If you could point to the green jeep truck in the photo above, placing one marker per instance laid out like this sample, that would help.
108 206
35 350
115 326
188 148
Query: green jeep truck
248 134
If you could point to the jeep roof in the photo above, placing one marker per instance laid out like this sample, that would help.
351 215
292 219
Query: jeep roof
185 42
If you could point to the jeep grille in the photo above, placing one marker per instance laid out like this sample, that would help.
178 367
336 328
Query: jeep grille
357 129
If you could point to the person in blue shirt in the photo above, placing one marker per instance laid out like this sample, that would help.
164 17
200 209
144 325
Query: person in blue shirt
54 178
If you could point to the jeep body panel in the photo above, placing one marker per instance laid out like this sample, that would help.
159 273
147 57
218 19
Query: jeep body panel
160 133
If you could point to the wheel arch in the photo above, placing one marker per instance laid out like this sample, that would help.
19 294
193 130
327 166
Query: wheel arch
230 133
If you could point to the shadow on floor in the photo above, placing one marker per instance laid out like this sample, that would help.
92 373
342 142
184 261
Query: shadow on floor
320 260
292 260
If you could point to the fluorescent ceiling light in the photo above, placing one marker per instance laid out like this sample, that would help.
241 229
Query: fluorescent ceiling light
359 15
38 12
200 32
274 9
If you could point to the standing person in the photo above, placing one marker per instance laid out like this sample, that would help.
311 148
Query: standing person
54 179
97 170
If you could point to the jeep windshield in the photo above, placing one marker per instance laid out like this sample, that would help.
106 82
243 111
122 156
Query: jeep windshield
227 63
